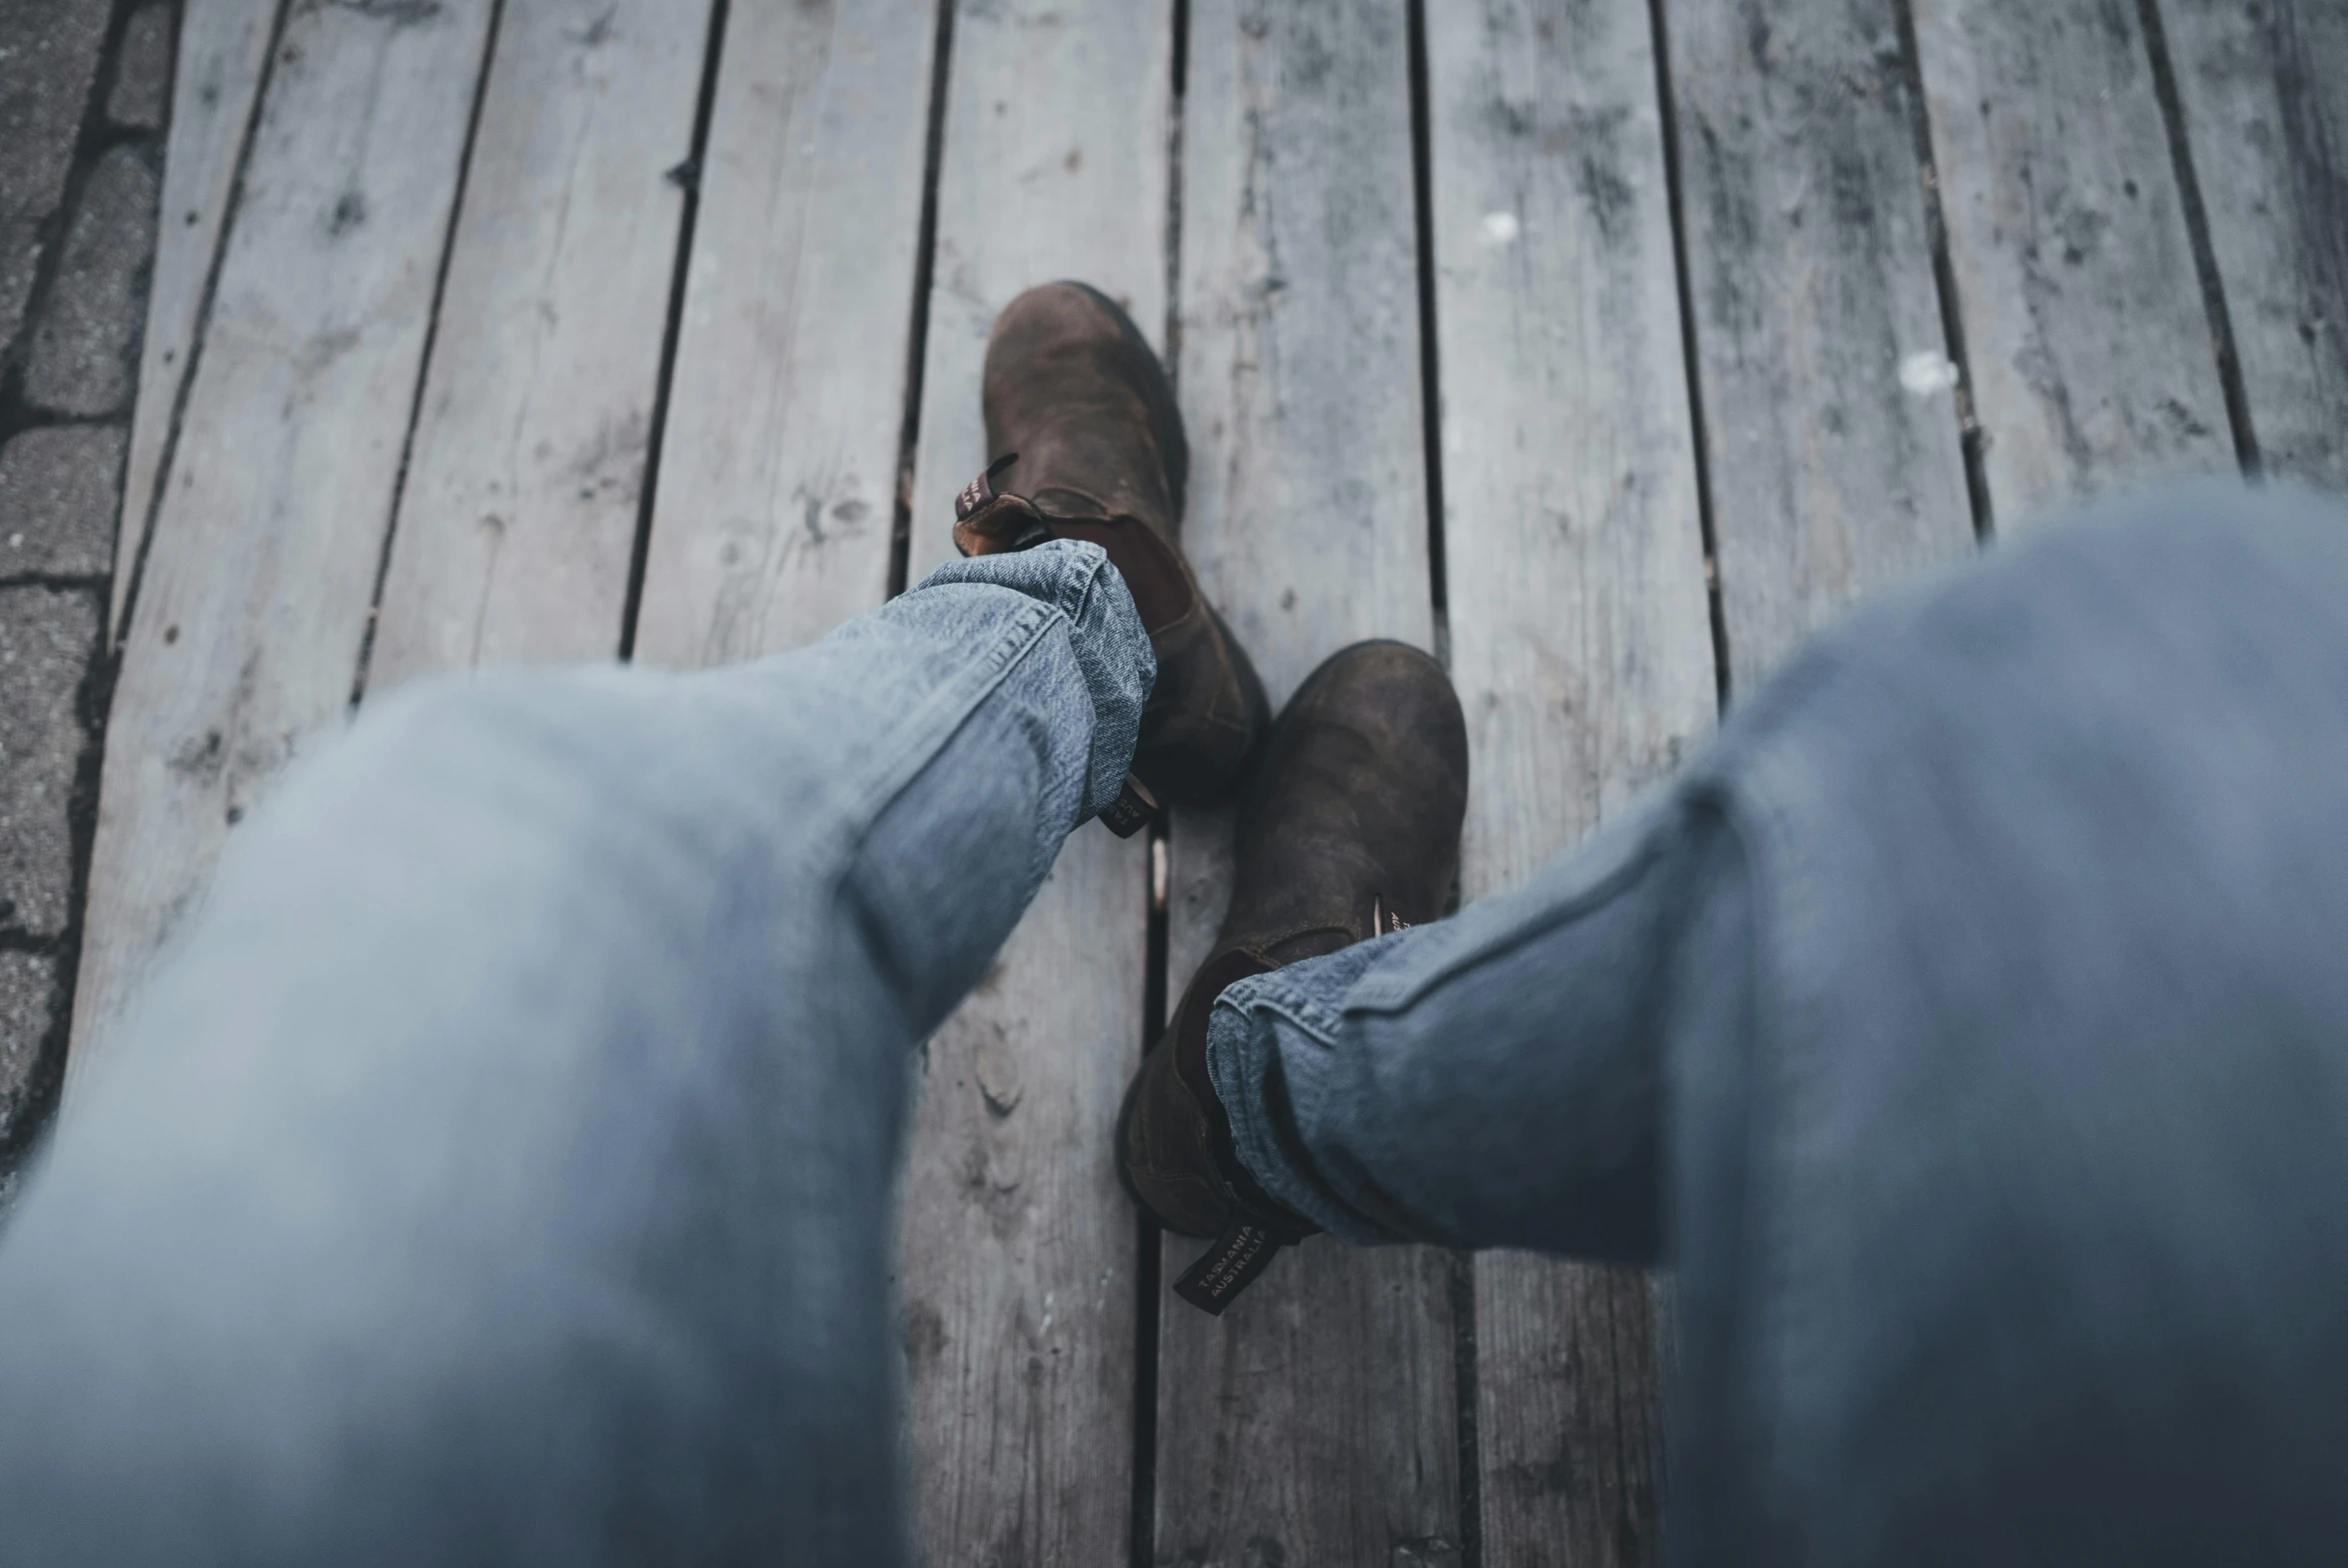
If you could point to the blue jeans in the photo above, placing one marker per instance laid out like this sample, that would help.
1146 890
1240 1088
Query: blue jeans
500 1172
500 1168
1968 1024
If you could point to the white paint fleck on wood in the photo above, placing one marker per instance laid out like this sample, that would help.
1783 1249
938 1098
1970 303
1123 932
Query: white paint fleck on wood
2265 96
269 540
1055 166
1579 631
1830 425
1320 1412
222 45
518 522
778 469
2083 320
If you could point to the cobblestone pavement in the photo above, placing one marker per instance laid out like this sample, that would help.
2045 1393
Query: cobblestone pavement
85 89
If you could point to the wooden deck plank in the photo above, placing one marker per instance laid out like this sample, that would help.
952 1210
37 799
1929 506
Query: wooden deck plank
2085 330
779 468
1822 370
1316 1421
1018 1247
266 551
517 526
223 45
2264 90
1580 637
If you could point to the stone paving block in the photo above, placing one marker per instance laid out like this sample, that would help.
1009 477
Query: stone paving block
48 58
142 70
85 345
47 637
28 981
60 488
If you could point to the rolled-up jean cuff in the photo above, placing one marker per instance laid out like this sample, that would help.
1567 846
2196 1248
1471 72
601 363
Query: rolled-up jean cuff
1105 632
1272 1044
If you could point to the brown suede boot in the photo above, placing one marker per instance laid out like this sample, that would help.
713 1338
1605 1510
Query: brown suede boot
1081 428
1351 829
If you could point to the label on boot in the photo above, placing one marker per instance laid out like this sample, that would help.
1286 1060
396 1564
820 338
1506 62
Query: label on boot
979 494
989 522
1230 1267
1131 811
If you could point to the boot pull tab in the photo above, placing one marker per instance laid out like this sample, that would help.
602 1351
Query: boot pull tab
1238 1255
979 492
1132 809
989 522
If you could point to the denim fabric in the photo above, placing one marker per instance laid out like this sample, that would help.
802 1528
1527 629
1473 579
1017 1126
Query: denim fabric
1969 1025
498 1173
1394 1064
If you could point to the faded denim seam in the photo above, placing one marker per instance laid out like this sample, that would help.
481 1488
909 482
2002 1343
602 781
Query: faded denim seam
1096 620
1241 1040
1643 843
1094 615
862 798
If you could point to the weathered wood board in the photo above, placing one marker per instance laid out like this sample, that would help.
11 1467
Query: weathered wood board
1316 1422
1580 631
2264 90
779 468
1831 435
517 525
1018 1248
223 45
2086 333
270 538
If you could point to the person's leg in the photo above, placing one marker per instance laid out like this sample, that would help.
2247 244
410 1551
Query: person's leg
498 1169
1968 1025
